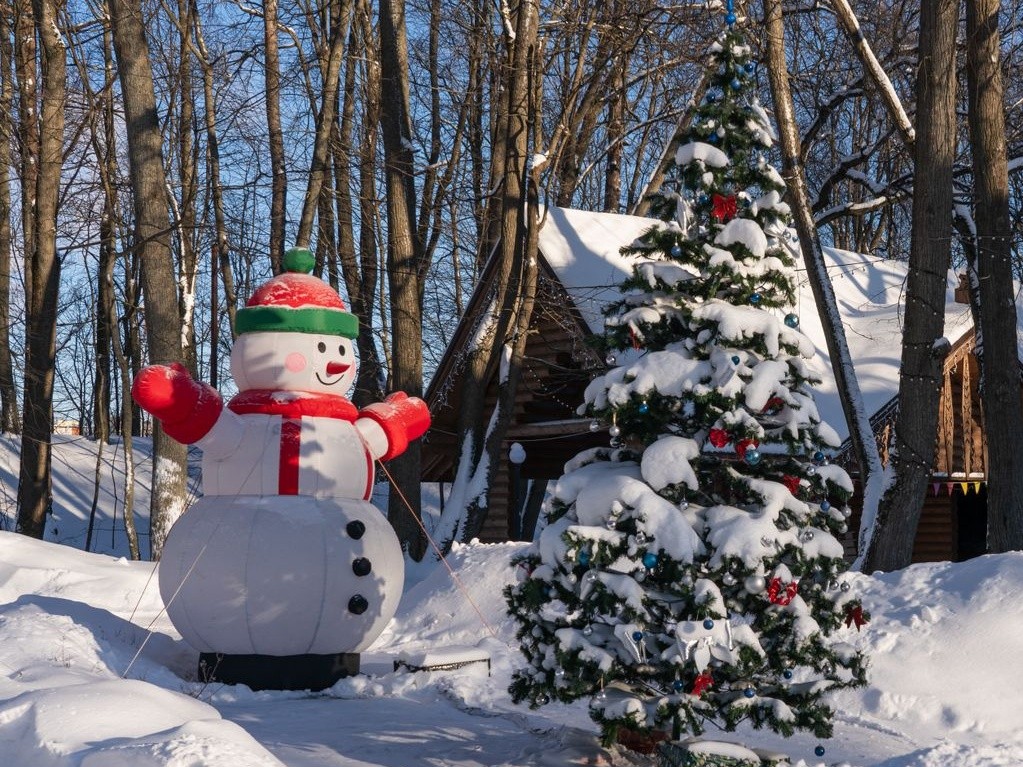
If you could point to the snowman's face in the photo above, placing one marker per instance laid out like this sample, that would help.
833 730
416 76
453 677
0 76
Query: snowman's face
294 362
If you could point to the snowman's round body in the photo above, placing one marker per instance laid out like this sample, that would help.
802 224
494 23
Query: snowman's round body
281 575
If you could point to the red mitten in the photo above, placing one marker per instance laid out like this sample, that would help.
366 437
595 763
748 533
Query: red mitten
403 418
186 408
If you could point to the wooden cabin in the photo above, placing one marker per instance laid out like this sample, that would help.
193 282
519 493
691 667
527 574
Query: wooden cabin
953 521
580 268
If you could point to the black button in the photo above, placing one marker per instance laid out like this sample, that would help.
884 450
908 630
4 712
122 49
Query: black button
358 604
361 566
356 529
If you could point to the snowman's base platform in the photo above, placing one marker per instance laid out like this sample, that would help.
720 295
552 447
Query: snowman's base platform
278 672
443 659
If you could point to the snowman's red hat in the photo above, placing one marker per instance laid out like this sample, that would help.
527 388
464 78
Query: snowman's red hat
296 302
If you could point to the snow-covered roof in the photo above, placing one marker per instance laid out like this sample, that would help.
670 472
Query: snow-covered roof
582 248
870 295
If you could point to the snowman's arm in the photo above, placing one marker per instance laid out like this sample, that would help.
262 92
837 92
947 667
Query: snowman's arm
187 409
390 425
373 435
225 437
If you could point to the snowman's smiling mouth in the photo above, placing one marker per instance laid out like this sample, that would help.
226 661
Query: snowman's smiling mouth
333 369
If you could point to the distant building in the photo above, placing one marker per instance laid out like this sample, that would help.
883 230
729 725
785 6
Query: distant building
68 427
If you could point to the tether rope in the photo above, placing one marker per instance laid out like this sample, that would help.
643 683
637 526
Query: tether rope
437 550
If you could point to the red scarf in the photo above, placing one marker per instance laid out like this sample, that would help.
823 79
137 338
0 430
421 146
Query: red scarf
288 404
292 406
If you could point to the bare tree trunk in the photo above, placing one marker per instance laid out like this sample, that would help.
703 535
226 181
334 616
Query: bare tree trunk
872 67
188 180
325 118
106 328
514 212
275 135
930 250
28 128
126 419
9 420
1000 383
101 379
106 153
616 139
522 299
405 265
861 435
359 265
221 260
153 245
479 37
128 416
34 496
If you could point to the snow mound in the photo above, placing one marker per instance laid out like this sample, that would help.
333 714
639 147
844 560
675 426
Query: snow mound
945 641
67 642
945 689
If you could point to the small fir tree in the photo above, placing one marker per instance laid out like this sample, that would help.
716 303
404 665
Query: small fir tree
690 573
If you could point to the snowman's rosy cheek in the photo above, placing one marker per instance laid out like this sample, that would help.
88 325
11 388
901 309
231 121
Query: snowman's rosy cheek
295 362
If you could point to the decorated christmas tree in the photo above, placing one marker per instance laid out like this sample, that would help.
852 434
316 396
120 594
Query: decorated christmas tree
691 572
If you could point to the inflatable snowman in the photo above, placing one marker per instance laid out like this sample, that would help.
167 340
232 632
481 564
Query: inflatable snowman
282 572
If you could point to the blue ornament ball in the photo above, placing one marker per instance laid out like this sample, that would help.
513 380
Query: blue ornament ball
787 673
755 298
753 456
584 557
637 636
649 560
712 138
825 505
736 359
819 751
729 18
792 320
708 624
736 84
818 457
643 407
712 97
749 67
676 251
703 199
677 685
749 692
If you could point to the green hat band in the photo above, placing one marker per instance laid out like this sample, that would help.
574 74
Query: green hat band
282 319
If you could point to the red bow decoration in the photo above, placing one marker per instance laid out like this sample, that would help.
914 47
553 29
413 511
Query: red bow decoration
702 683
634 337
719 437
792 483
744 445
724 207
775 594
854 615
773 405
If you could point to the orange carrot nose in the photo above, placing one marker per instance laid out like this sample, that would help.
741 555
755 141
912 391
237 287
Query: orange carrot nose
335 368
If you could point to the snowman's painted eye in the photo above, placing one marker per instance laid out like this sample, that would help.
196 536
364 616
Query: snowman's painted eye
322 347
341 350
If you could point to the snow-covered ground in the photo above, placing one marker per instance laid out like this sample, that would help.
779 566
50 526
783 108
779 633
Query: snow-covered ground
93 675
